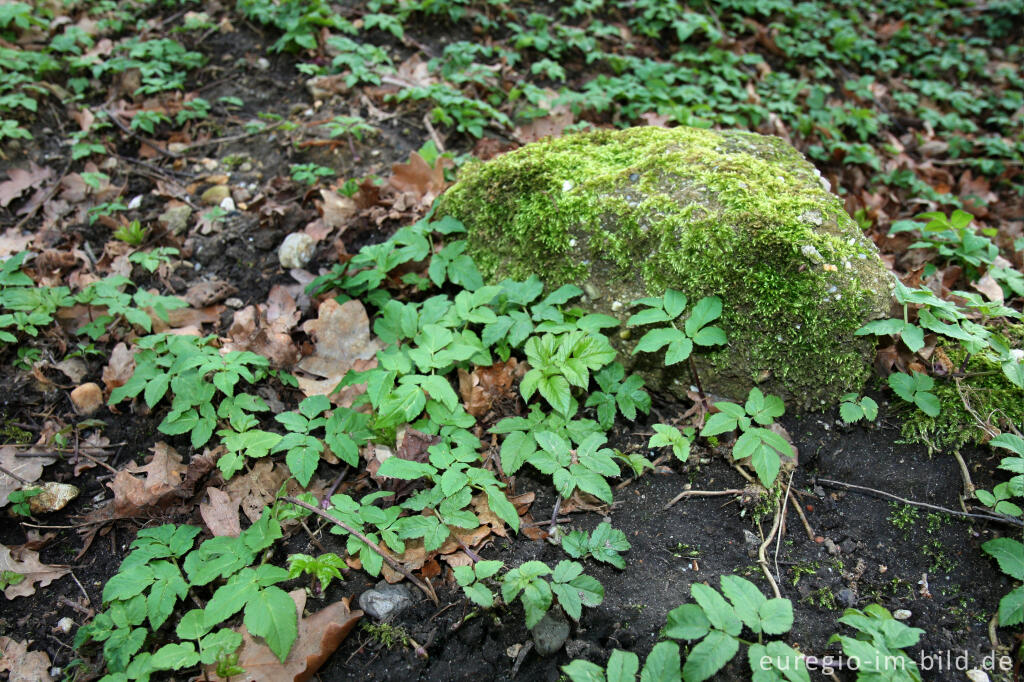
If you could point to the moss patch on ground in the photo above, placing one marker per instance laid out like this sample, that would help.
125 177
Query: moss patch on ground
984 388
626 214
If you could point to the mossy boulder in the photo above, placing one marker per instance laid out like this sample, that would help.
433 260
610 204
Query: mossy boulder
626 214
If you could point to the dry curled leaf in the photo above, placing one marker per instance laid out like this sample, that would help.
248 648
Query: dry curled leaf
26 562
26 468
164 473
21 179
221 513
342 334
22 664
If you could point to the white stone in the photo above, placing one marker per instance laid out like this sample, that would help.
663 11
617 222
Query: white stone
228 204
296 250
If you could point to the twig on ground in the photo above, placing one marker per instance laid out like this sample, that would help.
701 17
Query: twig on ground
16 477
702 493
433 134
393 563
987 517
763 561
128 131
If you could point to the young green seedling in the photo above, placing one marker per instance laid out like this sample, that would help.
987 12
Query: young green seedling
761 445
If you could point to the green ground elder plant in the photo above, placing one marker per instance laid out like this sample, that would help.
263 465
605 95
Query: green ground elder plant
762 446
537 586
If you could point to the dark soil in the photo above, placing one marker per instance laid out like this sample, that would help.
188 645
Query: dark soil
865 548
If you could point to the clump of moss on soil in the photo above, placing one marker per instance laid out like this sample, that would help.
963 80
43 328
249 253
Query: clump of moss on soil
988 392
739 215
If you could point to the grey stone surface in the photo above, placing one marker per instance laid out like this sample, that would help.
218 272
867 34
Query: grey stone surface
385 601
550 633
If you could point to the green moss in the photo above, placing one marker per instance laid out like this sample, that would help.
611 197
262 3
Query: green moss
743 216
11 433
987 391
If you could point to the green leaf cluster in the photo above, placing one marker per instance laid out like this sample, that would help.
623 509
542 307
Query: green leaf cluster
323 568
194 371
678 343
761 445
879 644
916 388
853 408
537 586
156 577
603 544
471 580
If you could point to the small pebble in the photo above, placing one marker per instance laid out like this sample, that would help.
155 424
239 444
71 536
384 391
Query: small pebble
87 398
296 250
901 614
228 204
847 597
65 624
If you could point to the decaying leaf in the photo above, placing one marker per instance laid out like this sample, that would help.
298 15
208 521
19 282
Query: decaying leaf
21 179
266 329
26 468
342 334
52 496
221 513
258 488
164 473
26 562
336 210
22 664
419 178
320 634
485 385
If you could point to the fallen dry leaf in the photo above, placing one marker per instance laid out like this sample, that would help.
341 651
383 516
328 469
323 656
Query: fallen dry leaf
320 634
221 513
266 329
208 292
21 179
258 488
27 468
485 385
342 334
418 178
120 367
989 288
12 241
164 473
23 665
336 209
26 562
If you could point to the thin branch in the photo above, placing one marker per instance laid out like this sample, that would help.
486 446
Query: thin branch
702 493
987 517
394 564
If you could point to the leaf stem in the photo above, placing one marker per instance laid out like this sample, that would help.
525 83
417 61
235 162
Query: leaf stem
396 565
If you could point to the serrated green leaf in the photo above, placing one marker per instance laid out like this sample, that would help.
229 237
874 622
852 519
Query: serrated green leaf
584 671
1011 607
662 664
1010 555
746 599
687 622
656 339
717 610
706 310
776 616
175 656
709 656
271 614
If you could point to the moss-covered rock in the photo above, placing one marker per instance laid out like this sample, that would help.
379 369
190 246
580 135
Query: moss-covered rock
626 214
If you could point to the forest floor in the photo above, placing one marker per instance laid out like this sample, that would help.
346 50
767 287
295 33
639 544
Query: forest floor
349 135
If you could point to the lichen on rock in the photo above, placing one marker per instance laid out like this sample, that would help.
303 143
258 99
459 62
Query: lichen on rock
626 214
